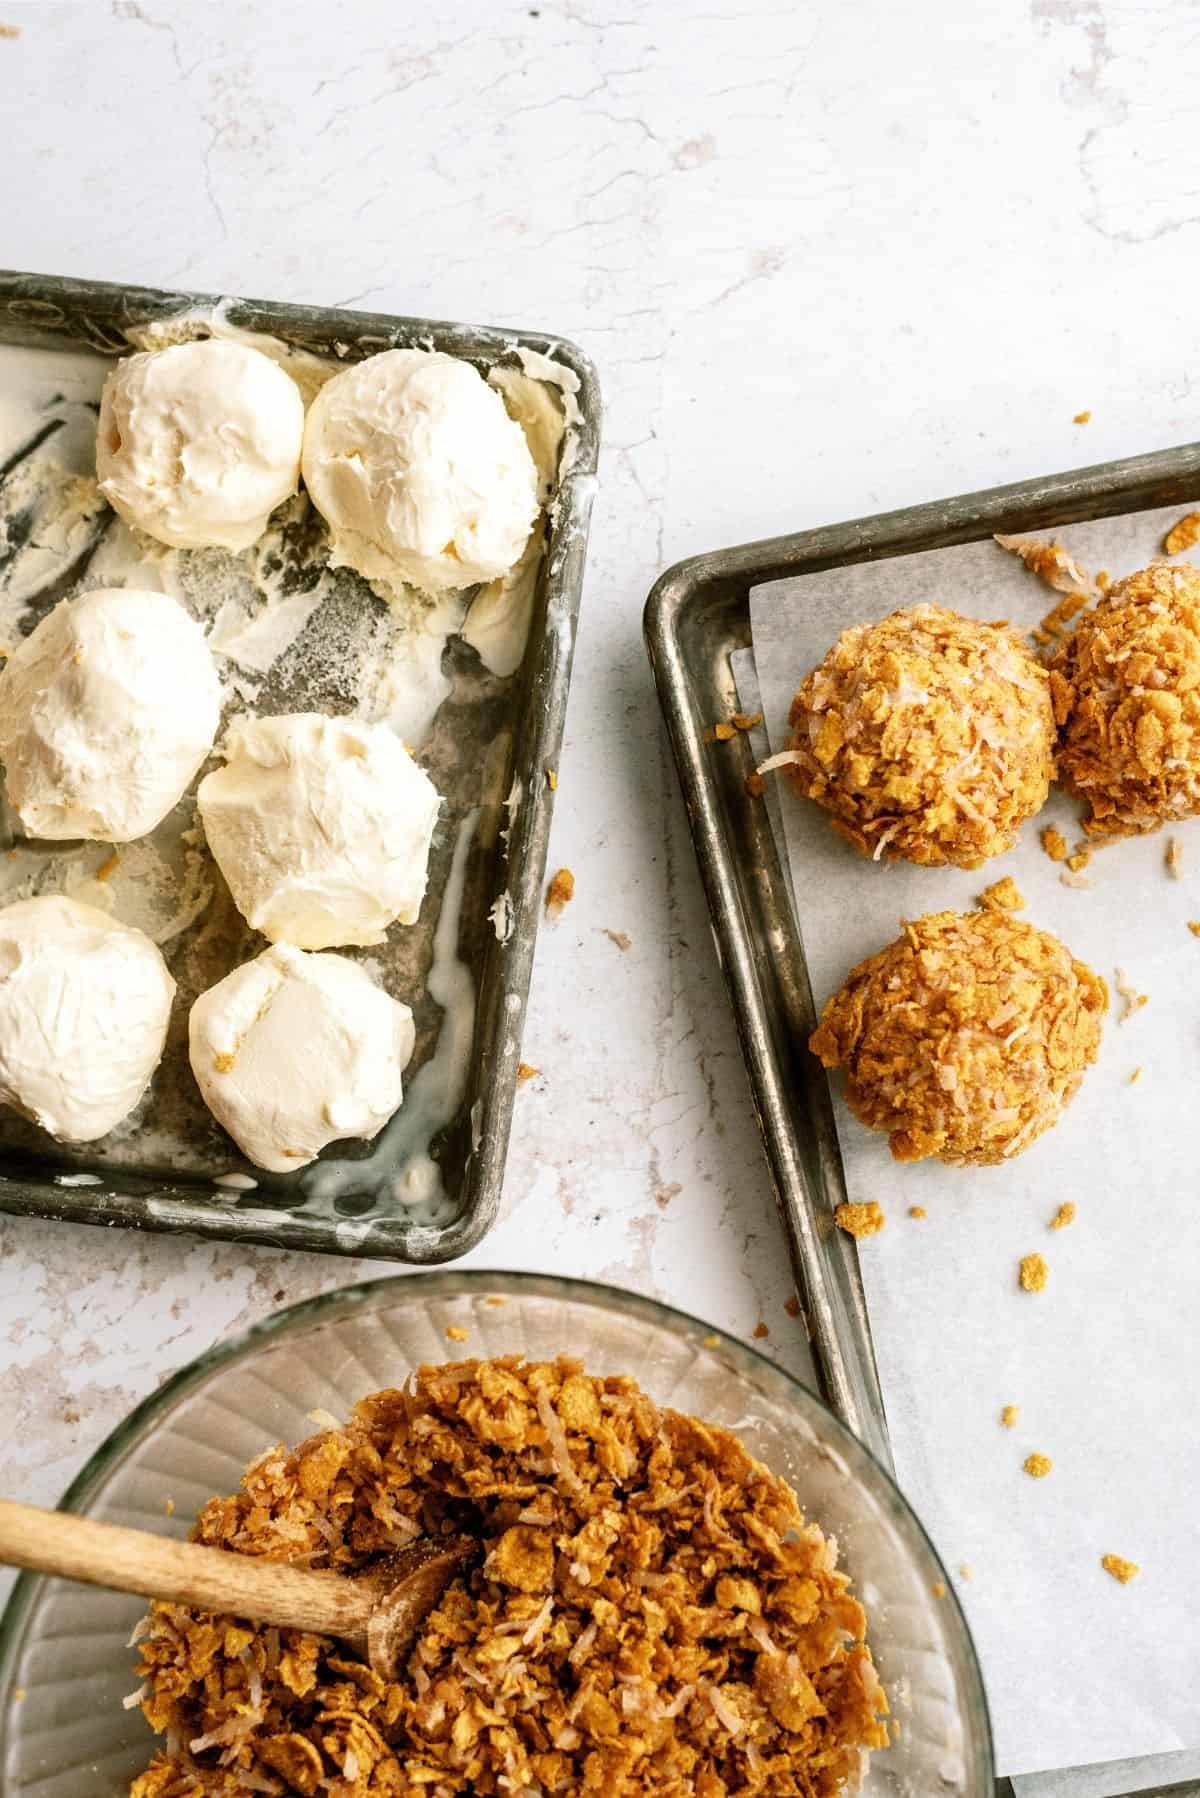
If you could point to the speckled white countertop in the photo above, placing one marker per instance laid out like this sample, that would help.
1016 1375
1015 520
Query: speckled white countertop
829 257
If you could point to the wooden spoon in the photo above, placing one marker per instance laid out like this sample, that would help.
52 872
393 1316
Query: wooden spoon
376 1613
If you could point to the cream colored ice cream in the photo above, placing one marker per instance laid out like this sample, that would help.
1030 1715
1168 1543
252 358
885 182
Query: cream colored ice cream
198 443
293 1051
106 711
419 472
321 827
84 1004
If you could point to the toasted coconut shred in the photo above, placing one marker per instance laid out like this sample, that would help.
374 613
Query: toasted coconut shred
928 737
1126 688
965 1038
662 1622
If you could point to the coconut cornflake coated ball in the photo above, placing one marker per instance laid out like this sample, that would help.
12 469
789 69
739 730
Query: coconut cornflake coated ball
1126 689
965 1038
928 737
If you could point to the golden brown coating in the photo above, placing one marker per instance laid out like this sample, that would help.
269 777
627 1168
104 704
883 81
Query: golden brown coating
1126 689
652 1614
964 1038
928 737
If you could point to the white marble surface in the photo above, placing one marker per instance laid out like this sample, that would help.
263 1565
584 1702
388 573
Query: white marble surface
829 257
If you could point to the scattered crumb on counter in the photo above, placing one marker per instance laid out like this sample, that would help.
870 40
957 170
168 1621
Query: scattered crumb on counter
552 779
169 1507
107 869
559 893
1079 881
1120 1568
12 31
1051 562
456 1333
860 1220
1009 1415
1063 1216
724 732
526 1071
1133 999
1034 1273
225 1062
1103 580
756 786
792 1305
1003 895
964 1571
1055 625
939 1589
497 1299
1079 861
917 1211
761 1329
1194 926
1054 843
1037 1466
746 720
711 1342
1183 535
1136 1076
1174 858
1082 418
619 939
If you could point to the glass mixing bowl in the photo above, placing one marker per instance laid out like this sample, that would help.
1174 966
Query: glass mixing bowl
64 1661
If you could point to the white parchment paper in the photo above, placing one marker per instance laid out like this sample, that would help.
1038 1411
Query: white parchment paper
1104 1364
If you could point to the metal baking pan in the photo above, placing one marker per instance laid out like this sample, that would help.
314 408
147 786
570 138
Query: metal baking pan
697 619
489 751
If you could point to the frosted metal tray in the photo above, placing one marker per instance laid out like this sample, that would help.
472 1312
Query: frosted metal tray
415 1195
697 619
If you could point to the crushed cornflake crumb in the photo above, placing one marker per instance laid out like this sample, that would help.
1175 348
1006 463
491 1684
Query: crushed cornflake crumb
1174 858
939 1588
552 779
108 868
169 1507
1134 1000
1037 1466
1050 562
652 1614
724 733
1079 881
746 720
1136 1076
1079 860
1003 895
792 1305
964 1571
756 786
1194 926
1103 580
618 939
526 1071
917 1211
497 1299
1034 1273
1054 843
456 1333
761 1330
712 1342
1120 1568
560 892
1082 418
1183 535
1058 621
860 1220
1064 1215
1009 1415
11 31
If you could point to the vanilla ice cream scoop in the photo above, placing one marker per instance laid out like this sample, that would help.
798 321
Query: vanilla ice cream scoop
419 472
293 1051
106 711
198 443
321 827
84 1004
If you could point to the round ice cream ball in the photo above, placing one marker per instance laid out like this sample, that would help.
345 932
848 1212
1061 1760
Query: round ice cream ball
84 1004
198 443
928 737
106 711
965 1038
321 827
1126 687
293 1051
419 472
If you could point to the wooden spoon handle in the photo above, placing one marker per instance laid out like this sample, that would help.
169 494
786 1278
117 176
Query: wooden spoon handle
208 1579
